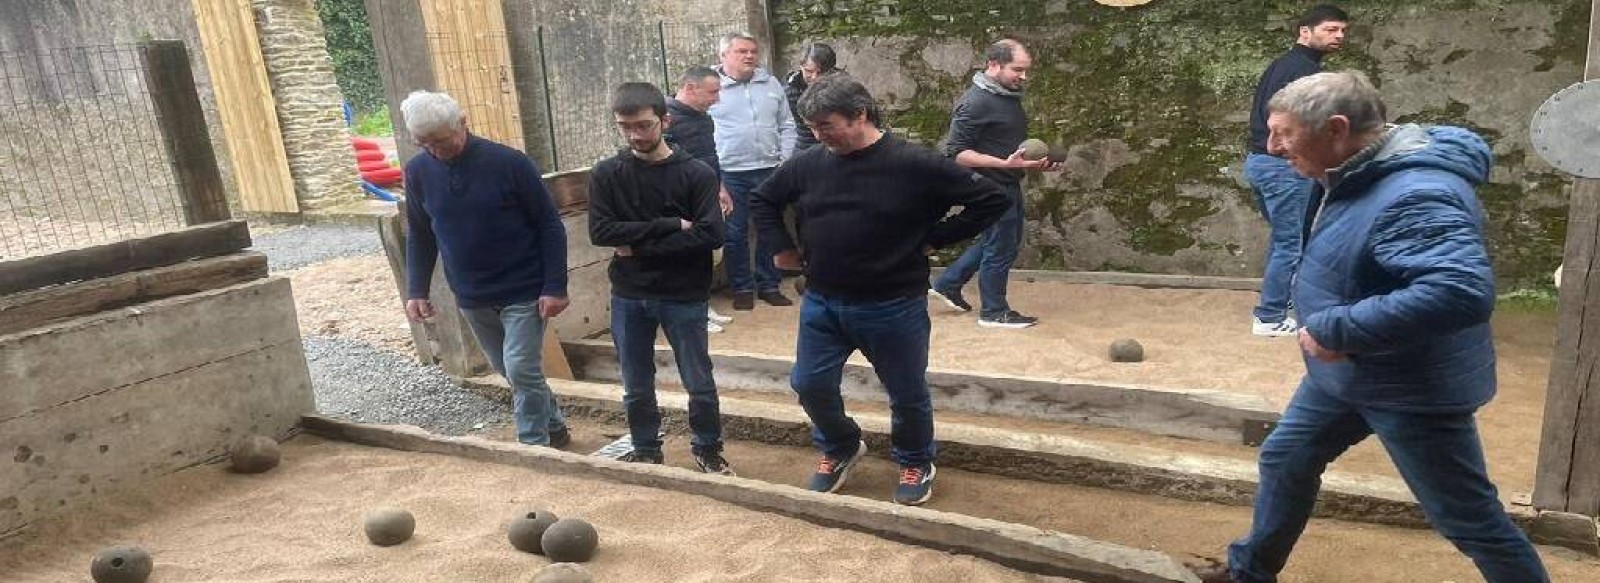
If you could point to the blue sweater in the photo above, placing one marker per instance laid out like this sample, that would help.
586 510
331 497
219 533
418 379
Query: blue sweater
1396 275
488 214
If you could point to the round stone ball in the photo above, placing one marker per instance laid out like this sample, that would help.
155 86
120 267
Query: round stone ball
1127 350
527 530
563 573
1057 154
121 565
254 454
1034 149
387 527
570 540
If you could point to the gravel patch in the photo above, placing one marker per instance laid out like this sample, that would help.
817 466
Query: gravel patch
364 383
304 245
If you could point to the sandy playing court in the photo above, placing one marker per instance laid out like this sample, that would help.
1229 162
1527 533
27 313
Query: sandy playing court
302 522
1192 339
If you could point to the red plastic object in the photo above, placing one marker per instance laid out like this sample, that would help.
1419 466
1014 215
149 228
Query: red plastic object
364 144
372 166
370 156
385 177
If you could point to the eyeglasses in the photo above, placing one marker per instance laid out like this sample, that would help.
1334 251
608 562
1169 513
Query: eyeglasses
637 127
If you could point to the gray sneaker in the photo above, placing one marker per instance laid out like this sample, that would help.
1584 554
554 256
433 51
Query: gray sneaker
1010 319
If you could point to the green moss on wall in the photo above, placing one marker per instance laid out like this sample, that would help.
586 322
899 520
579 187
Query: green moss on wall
1173 79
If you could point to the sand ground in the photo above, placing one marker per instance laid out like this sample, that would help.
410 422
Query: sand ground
302 523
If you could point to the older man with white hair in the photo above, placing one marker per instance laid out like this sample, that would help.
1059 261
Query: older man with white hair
1395 290
483 207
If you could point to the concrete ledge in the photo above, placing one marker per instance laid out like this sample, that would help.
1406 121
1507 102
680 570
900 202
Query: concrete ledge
1146 280
1564 529
1029 456
1017 546
1196 414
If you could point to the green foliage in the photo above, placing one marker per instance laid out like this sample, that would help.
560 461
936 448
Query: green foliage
355 61
374 124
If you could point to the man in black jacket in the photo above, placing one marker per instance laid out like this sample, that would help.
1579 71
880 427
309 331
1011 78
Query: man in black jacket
658 208
691 130
875 206
987 127
1281 193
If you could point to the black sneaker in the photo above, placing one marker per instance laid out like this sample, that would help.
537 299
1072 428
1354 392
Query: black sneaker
1010 319
916 484
952 298
744 301
561 439
642 457
831 472
713 463
775 298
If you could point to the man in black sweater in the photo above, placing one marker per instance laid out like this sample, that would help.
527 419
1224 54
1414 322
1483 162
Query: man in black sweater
691 130
987 127
1281 193
874 207
658 208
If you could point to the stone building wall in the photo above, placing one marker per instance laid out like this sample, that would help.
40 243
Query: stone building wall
309 103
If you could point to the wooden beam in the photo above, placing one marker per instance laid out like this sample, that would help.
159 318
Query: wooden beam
42 306
245 105
1568 475
208 240
405 63
182 123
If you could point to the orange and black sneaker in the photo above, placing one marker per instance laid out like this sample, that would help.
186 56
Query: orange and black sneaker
916 484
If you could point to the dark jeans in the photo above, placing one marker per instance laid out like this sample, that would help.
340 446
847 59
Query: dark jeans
736 247
512 338
633 331
893 334
1439 455
1281 194
991 258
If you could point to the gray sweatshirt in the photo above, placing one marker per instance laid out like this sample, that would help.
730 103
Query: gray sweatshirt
755 129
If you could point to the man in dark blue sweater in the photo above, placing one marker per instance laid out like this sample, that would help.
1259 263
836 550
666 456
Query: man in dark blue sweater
1281 193
483 207
987 127
875 206
658 207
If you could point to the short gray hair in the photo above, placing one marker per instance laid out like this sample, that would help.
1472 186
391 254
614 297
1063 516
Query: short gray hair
1314 99
428 111
727 40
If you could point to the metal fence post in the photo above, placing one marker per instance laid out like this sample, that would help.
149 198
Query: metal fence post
549 105
661 38
167 76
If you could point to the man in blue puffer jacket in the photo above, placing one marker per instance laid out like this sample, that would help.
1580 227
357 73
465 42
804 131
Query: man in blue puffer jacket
1395 292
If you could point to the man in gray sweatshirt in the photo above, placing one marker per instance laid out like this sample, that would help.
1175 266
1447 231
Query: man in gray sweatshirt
755 132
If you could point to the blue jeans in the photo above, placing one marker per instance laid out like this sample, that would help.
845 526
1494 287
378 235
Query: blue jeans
893 334
991 258
633 331
1281 194
512 338
1439 455
736 247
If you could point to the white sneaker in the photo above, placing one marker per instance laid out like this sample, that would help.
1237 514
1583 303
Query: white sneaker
713 327
711 314
1288 327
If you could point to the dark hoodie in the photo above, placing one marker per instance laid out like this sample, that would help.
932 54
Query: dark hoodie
639 204
794 86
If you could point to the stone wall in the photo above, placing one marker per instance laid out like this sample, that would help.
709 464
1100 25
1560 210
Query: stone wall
309 103
1153 103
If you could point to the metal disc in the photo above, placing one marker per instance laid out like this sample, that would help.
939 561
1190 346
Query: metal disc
1566 130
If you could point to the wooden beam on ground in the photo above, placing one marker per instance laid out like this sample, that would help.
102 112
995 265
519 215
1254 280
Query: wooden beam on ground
1021 547
208 240
39 307
170 80
1568 476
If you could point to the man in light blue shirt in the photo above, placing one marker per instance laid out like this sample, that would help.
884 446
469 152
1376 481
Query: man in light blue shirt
755 133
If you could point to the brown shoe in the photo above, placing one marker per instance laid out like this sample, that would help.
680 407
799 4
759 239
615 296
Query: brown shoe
775 298
1212 571
744 301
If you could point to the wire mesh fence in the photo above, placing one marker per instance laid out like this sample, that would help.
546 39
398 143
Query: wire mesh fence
82 158
577 79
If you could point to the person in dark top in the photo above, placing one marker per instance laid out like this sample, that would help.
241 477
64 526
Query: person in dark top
1281 193
875 207
816 60
987 127
483 208
690 129
658 207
